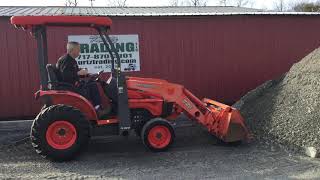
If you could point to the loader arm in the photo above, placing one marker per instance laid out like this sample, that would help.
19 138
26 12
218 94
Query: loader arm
221 120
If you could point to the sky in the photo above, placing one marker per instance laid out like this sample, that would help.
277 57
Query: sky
260 4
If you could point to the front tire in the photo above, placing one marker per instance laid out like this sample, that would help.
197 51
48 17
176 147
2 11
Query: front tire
60 132
157 135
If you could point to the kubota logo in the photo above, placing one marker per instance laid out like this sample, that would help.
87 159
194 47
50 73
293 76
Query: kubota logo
187 103
146 85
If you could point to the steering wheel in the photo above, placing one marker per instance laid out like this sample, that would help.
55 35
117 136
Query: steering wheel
99 74
93 76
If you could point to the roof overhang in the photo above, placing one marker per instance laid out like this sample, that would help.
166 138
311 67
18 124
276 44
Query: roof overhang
85 21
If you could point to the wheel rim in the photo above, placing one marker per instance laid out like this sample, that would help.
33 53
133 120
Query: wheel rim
61 135
159 136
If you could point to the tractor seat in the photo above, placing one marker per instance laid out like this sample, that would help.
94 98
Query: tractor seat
54 80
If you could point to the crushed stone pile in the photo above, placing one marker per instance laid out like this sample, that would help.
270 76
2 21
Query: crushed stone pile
286 111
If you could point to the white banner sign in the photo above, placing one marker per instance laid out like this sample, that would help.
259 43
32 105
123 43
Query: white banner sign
95 57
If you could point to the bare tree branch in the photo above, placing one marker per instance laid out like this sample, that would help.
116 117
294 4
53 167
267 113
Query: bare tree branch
198 2
71 3
238 3
306 6
174 3
279 5
241 3
91 2
223 2
117 3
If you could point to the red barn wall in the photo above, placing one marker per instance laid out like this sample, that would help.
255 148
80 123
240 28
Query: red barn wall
220 57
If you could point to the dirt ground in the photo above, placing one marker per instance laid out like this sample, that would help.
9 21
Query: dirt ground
194 155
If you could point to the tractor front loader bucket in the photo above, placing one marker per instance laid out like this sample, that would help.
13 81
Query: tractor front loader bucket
226 122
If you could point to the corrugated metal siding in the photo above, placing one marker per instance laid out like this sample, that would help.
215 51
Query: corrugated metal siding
18 71
220 57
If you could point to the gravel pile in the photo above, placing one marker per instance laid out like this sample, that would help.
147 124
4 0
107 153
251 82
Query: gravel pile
286 111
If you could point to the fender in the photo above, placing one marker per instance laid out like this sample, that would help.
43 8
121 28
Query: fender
68 98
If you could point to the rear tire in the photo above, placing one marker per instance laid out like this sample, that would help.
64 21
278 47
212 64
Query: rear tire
157 135
59 132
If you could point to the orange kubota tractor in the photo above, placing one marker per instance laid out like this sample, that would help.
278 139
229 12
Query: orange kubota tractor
147 106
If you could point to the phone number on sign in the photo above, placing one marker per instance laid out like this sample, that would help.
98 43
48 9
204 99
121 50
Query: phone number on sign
102 56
